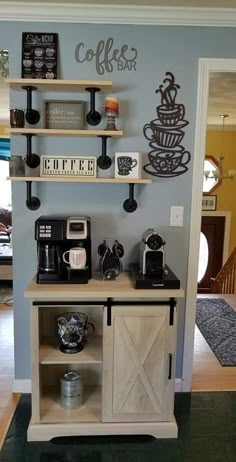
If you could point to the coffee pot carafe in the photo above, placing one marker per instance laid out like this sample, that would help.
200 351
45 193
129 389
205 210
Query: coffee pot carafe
49 259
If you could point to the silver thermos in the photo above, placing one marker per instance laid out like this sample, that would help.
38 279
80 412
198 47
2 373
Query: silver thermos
71 390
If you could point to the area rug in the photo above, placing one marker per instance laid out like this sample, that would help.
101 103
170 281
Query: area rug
217 322
6 296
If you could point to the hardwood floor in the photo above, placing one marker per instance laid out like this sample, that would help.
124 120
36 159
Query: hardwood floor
8 400
208 374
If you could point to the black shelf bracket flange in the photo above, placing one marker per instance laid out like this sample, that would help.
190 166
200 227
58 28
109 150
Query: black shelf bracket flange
32 116
104 161
93 117
130 204
32 202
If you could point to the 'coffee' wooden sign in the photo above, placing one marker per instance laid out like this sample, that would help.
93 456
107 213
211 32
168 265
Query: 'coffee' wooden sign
68 166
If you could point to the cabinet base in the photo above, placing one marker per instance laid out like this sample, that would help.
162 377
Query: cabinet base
45 432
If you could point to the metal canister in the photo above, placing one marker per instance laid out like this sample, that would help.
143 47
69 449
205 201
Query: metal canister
71 390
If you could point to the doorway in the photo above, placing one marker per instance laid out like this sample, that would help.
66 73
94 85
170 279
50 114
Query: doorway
206 66
211 251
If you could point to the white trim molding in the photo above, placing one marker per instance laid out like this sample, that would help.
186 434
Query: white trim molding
117 14
178 385
21 386
205 67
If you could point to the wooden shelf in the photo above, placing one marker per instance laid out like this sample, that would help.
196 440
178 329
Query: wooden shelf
60 84
90 411
49 352
80 180
59 132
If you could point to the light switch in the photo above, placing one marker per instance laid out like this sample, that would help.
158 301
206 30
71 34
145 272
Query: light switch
176 215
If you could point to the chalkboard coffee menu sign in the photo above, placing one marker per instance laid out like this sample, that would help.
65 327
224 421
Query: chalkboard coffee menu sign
39 55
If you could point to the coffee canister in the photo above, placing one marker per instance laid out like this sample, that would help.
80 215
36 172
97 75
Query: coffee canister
71 390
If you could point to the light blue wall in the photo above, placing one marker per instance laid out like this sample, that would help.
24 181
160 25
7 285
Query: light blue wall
160 49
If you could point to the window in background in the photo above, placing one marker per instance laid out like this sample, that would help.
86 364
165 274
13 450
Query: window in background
211 174
5 185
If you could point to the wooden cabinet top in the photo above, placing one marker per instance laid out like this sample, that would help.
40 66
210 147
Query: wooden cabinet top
96 289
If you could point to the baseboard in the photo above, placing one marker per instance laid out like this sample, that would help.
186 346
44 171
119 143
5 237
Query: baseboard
178 385
21 386
24 386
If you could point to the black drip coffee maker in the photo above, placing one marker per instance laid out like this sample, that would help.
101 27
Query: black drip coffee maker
59 237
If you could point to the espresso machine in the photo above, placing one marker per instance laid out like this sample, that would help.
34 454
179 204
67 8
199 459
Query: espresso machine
152 253
151 272
56 237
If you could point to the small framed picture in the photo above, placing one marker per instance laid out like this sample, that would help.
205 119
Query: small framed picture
209 202
128 164
65 115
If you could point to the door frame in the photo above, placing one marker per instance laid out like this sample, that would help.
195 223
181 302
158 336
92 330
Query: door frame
205 66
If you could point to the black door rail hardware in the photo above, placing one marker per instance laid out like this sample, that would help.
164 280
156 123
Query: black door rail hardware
170 366
130 204
108 304
93 117
104 161
32 116
172 310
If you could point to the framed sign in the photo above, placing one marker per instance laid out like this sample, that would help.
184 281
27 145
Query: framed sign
39 55
68 166
127 164
64 114
209 202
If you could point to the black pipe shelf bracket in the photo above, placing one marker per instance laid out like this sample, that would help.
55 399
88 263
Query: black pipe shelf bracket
130 204
104 161
93 117
32 202
32 116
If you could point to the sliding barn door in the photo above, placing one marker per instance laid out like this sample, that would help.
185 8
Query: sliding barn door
138 364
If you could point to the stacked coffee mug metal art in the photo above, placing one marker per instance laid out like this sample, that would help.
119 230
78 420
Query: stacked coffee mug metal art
167 158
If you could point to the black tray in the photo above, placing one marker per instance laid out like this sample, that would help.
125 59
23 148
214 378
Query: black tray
168 280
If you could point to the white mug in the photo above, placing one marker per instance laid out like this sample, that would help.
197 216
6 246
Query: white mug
77 257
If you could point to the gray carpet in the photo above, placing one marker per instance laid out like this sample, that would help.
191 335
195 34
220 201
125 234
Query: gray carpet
217 322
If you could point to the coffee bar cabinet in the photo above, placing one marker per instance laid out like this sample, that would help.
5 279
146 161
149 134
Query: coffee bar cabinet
127 366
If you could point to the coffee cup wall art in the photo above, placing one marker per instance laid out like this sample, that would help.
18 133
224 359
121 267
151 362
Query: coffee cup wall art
128 164
167 157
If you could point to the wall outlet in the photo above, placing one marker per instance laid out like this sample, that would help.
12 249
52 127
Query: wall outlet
176 215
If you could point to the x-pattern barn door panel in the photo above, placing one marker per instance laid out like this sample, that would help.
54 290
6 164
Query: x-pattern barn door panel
138 360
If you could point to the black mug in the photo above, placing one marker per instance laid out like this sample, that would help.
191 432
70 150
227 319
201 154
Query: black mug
17 118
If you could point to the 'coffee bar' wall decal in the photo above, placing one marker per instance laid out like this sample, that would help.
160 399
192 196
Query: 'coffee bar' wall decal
167 158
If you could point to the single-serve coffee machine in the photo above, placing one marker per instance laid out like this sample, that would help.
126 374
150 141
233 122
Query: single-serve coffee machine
151 253
63 249
151 272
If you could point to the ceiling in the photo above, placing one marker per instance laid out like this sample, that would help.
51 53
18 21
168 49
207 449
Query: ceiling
222 99
164 3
